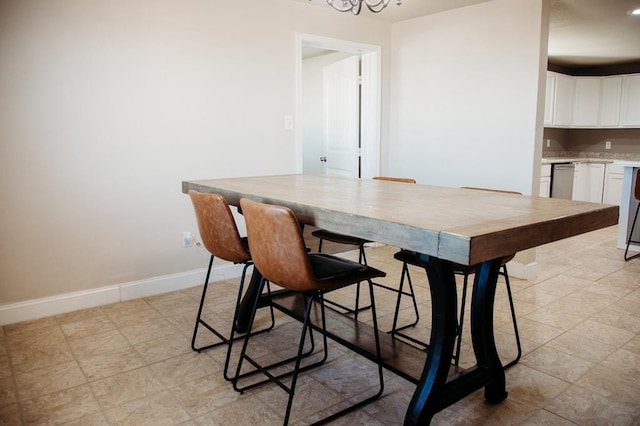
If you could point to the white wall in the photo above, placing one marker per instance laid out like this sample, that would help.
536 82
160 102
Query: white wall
465 90
107 106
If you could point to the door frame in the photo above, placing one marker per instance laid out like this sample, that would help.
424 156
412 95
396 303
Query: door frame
370 103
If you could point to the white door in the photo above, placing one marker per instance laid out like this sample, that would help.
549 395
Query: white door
341 96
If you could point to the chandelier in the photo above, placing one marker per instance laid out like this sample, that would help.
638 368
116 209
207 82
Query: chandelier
355 6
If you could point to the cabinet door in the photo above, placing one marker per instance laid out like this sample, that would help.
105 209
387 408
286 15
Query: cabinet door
579 192
563 100
613 184
631 100
545 186
588 182
610 94
548 99
595 182
586 104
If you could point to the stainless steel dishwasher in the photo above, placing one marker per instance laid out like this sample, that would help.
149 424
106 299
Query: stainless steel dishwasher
562 180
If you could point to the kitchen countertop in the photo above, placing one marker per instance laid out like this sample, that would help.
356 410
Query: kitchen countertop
556 160
554 157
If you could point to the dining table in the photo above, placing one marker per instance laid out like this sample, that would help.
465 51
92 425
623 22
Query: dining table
444 225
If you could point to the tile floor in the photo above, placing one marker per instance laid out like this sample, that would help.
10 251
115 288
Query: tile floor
131 362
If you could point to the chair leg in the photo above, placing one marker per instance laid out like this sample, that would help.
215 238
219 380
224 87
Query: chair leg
405 273
237 376
233 337
265 369
630 240
379 363
513 318
296 370
200 321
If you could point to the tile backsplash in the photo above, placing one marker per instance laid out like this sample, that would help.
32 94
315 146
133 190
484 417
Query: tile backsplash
624 143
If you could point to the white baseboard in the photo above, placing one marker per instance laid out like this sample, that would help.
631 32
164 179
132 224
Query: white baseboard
64 303
525 271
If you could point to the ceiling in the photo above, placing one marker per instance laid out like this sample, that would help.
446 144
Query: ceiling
582 33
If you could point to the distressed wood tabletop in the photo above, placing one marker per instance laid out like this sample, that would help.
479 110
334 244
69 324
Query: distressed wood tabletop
460 225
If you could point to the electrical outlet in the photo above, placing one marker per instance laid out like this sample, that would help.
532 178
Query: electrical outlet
607 145
187 239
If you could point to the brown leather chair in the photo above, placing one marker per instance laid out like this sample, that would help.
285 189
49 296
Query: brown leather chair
279 253
412 258
220 237
630 239
323 234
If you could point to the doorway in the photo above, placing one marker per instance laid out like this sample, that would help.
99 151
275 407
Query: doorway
359 157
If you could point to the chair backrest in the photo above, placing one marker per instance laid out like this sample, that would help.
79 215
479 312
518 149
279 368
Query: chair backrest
277 245
218 228
395 179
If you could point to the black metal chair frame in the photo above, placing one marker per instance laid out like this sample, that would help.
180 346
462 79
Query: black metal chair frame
201 321
630 240
362 258
310 297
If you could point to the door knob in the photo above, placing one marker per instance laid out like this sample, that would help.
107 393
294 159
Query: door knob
323 159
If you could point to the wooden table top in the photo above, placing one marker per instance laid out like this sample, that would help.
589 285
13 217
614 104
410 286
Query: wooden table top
461 225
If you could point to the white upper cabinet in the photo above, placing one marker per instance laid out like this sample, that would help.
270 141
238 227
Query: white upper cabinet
610 95
586 102
548 100
592 102
562 100
631 100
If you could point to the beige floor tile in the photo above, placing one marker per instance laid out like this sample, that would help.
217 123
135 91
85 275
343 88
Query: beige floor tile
185 368
105 365
8 394
40 355
626 279
557 364
533 331
612 384
149 330
80 315
206 394
584 407
97 419
60 407
97 344
49 379
34 338
595 269
166 347
29 327
555 319
87 327
10 415
248 411
158 410
545 418
5 362
126 387
581 347
634 344
604 333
